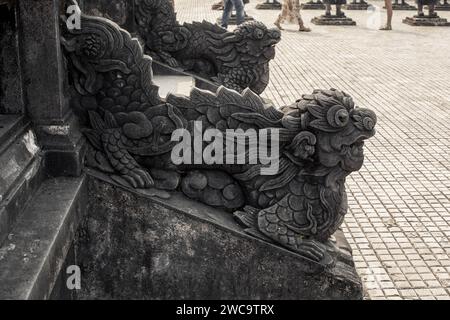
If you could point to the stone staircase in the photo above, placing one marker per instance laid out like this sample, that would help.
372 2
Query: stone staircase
38 215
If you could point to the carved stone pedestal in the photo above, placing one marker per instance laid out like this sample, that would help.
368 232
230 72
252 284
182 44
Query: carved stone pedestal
443 7
311 5
333 20
427 21
269 5
402 6
199 232
362 5
134 245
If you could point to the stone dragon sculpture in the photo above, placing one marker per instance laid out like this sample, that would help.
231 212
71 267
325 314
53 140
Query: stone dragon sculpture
129 127
237 59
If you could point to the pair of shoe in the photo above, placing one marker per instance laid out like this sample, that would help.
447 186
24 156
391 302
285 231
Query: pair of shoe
301 28
386 28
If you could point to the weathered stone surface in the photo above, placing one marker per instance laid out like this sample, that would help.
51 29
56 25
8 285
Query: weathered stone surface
354 5
11 100
32 257
425 21
269 5
313 5
403 5
444 6
133 246
21 170
333 20
45 87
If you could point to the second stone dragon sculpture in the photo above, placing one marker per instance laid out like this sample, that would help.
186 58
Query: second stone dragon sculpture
129 127
237 60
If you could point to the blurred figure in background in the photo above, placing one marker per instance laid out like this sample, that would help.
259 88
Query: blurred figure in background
228 7
290 11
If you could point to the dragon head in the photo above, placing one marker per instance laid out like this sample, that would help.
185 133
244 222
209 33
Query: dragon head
332 132
253 38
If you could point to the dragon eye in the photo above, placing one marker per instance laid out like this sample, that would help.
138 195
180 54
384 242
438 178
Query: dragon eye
337 116
258 34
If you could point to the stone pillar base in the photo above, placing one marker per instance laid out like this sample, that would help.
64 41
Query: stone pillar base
313 6
442 7
333 20
404 6
145 245
269 6
426 21
357 6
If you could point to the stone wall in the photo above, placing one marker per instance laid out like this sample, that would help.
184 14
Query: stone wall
133 246
10 80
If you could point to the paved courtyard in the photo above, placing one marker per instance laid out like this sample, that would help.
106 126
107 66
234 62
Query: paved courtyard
399 218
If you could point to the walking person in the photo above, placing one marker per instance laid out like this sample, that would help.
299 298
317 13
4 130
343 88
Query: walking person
228 7
388 5
290 10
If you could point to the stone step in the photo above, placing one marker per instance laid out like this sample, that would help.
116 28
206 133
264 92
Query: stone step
20 172
32 256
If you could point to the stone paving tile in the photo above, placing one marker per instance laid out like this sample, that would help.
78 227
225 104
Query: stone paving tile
399 203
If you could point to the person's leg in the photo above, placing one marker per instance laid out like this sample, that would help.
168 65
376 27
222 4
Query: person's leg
227 7
279 21
328 9
420 9
296 12
431 11
282 15
240 13
388 5
339 12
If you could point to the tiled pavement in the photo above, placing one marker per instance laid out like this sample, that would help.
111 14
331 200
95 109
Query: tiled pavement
399 218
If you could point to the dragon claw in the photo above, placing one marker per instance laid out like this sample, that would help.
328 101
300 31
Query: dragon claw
314 251
172 62
139 178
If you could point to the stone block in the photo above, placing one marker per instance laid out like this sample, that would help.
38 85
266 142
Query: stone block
20 173
313 6
32 258
333 20
357 6
268 5
443 7
426 21
145 245
402 6
11 100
